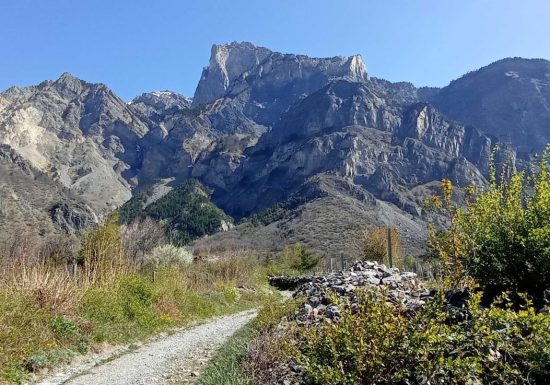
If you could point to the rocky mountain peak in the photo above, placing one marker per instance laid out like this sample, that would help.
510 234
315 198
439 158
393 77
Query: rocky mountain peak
227 63
159 102
509 99
357 68
69 85
234 66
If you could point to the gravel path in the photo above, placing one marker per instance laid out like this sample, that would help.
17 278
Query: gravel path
174 359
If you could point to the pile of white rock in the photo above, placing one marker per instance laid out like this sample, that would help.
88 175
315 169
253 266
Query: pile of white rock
401 288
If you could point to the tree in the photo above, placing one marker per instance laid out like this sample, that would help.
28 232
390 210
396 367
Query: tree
141 236
300 258
372 245
101 254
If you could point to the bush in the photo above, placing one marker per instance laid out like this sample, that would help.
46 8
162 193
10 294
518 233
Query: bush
168 255
379 344
230 293
299 258
504 235
101 254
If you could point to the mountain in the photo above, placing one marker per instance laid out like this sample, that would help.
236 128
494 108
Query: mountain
79 134
354 131
69 148
509 99
31 203
296 149
264 83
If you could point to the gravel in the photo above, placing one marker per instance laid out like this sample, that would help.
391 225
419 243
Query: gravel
175 358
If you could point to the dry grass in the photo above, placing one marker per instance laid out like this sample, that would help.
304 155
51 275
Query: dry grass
264 364
236 270
51 287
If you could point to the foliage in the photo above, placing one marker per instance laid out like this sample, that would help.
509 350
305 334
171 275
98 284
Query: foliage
168 255
505 234
267 352
299 258
379 344
274 310
186 212
230 293
48 315
141 237
501 238
275 213
372 245
101 253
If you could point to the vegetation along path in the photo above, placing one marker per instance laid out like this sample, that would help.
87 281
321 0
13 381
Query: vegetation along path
174 359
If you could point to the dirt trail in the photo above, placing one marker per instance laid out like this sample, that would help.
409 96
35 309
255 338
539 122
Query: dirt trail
169 360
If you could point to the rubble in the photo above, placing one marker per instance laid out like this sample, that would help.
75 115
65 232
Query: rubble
402 288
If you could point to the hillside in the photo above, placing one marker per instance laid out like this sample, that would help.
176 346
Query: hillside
186 212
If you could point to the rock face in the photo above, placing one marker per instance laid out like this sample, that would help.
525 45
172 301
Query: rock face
76 145
355 131
509 99
31 203
267 83
81 135
316 142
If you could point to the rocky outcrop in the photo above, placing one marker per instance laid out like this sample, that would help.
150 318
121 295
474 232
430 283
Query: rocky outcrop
264 84
73 217
27 197
356 131
155 105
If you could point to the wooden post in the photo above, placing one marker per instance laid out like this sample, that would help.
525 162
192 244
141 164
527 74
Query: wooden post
154 276
75 269
331 264
390 256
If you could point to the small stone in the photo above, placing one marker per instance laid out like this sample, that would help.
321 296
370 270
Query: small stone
373 281
194 374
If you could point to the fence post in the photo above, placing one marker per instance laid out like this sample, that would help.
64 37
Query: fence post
390 256
154 276
75 269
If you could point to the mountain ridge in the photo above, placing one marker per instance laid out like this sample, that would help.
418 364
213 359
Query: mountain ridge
263 126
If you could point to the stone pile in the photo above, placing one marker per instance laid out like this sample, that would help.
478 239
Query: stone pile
402 288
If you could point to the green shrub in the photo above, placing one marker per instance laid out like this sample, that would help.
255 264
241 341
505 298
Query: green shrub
230 293
48 359
273 311
504 235
379 344
299 258
63 327
122 313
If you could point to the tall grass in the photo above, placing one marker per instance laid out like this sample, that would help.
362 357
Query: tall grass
48 314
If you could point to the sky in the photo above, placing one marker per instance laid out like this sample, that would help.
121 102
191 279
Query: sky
136 46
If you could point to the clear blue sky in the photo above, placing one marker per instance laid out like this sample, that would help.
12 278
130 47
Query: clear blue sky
135 46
